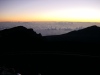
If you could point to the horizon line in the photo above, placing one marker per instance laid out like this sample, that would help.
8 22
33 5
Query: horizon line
52 21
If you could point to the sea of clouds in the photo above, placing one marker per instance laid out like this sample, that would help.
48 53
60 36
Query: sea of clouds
49 28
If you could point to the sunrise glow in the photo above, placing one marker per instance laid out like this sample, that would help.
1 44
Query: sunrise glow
50 10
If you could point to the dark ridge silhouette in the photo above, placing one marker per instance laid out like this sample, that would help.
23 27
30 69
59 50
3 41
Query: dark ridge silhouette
18 37
23 38
19 32
84 41
76 52
87 35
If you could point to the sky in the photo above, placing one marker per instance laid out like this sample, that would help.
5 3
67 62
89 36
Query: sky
50 10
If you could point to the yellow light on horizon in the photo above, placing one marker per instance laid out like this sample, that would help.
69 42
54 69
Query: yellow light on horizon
73 15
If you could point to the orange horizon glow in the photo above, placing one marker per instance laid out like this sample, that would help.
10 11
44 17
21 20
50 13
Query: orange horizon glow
48 10
74 15
45 20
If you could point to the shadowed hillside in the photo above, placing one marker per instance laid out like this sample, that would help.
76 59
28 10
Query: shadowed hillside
86 35
85 41
18 38
76 52
25 39
19 33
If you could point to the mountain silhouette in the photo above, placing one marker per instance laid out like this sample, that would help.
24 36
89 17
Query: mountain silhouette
87 35
32 54
20 32
18 38
23 38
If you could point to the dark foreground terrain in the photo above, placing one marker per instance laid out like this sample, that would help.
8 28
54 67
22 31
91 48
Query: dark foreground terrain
51 64
29 53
